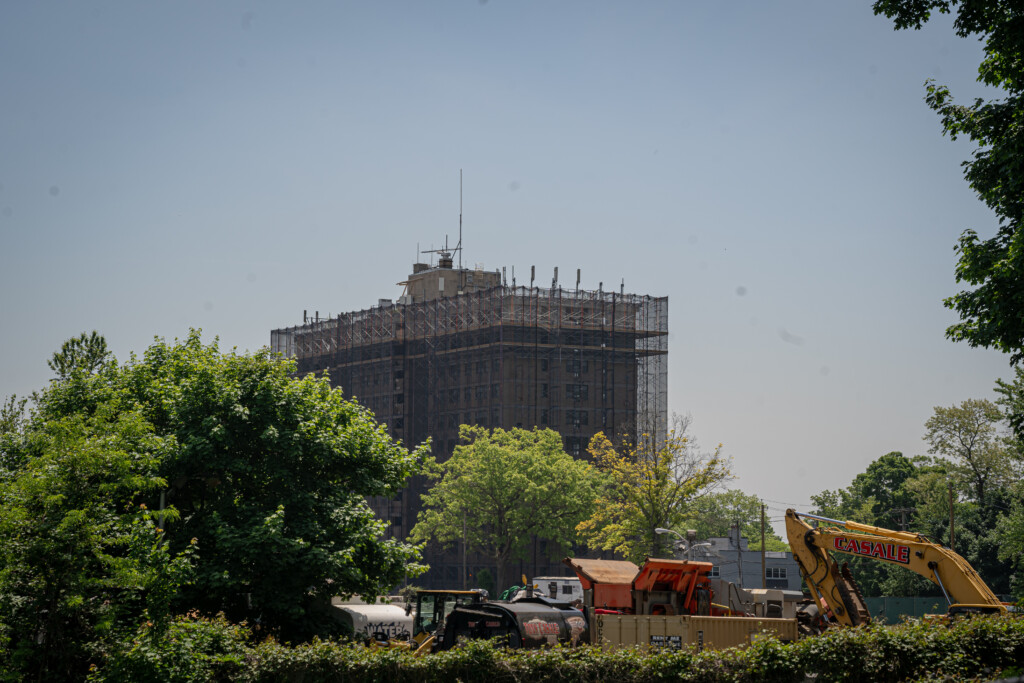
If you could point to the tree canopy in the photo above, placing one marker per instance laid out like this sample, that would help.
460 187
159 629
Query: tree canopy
716 513
84 353
502 488
647 486
257 478
968 436
973 474
991 310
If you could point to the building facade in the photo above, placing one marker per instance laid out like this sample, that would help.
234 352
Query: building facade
462 346
742 566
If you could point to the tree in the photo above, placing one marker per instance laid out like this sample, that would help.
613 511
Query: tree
1009 535
715 513
269 474
12 415
648 486
501 488
885 495
991 309
1011 401
84 353
969 437
83 562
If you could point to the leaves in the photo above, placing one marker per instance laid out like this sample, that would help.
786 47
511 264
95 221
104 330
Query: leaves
646 487
501 488
992 268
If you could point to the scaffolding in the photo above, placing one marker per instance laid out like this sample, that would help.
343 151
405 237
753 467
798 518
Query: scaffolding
624 334
576 361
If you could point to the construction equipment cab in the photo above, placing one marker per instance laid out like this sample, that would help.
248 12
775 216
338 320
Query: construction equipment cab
432 609
835 591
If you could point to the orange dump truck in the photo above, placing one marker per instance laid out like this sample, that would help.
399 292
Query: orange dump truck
664 604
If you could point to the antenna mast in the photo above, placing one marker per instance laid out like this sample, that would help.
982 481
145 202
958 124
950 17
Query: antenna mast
459 248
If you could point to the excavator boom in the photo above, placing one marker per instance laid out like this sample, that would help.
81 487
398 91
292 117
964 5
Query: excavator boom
964 589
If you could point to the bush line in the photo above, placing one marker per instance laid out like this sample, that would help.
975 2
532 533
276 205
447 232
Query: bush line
982 648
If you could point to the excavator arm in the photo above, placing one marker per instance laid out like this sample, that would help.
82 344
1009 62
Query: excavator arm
836 594
963 588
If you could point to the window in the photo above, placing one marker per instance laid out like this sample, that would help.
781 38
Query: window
543 390
576 392
566 589
544 365
714 572
544 416
775 573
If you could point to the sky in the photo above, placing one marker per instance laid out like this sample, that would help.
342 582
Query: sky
772 168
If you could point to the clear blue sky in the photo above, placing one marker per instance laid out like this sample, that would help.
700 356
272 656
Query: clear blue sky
771 167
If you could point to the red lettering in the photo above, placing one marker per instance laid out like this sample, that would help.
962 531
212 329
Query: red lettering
878 550
890 553
903 554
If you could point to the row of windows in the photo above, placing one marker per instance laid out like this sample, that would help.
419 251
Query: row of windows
479 393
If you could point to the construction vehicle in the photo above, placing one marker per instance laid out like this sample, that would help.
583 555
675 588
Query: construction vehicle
836 594
377 623
525 622
432 608
669 604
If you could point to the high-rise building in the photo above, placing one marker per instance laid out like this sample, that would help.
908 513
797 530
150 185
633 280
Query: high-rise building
463 346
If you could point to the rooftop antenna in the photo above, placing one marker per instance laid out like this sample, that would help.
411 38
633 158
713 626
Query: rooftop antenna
458 248
444 253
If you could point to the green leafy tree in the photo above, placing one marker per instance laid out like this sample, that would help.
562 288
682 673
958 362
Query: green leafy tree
648 486
1011 402
84 353
991 308
12 415
1009 537
883 495
968 436
500 489
715 513
269 474
83 561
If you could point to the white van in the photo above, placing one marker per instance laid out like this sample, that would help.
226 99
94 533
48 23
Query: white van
567 588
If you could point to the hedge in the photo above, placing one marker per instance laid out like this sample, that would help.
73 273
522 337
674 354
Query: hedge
981 648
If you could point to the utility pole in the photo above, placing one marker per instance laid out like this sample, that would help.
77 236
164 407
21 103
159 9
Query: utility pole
764 579
950 488
739 552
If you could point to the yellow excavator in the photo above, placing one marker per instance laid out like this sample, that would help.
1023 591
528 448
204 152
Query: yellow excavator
836 594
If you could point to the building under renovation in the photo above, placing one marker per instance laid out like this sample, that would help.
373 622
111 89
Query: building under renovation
463 346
